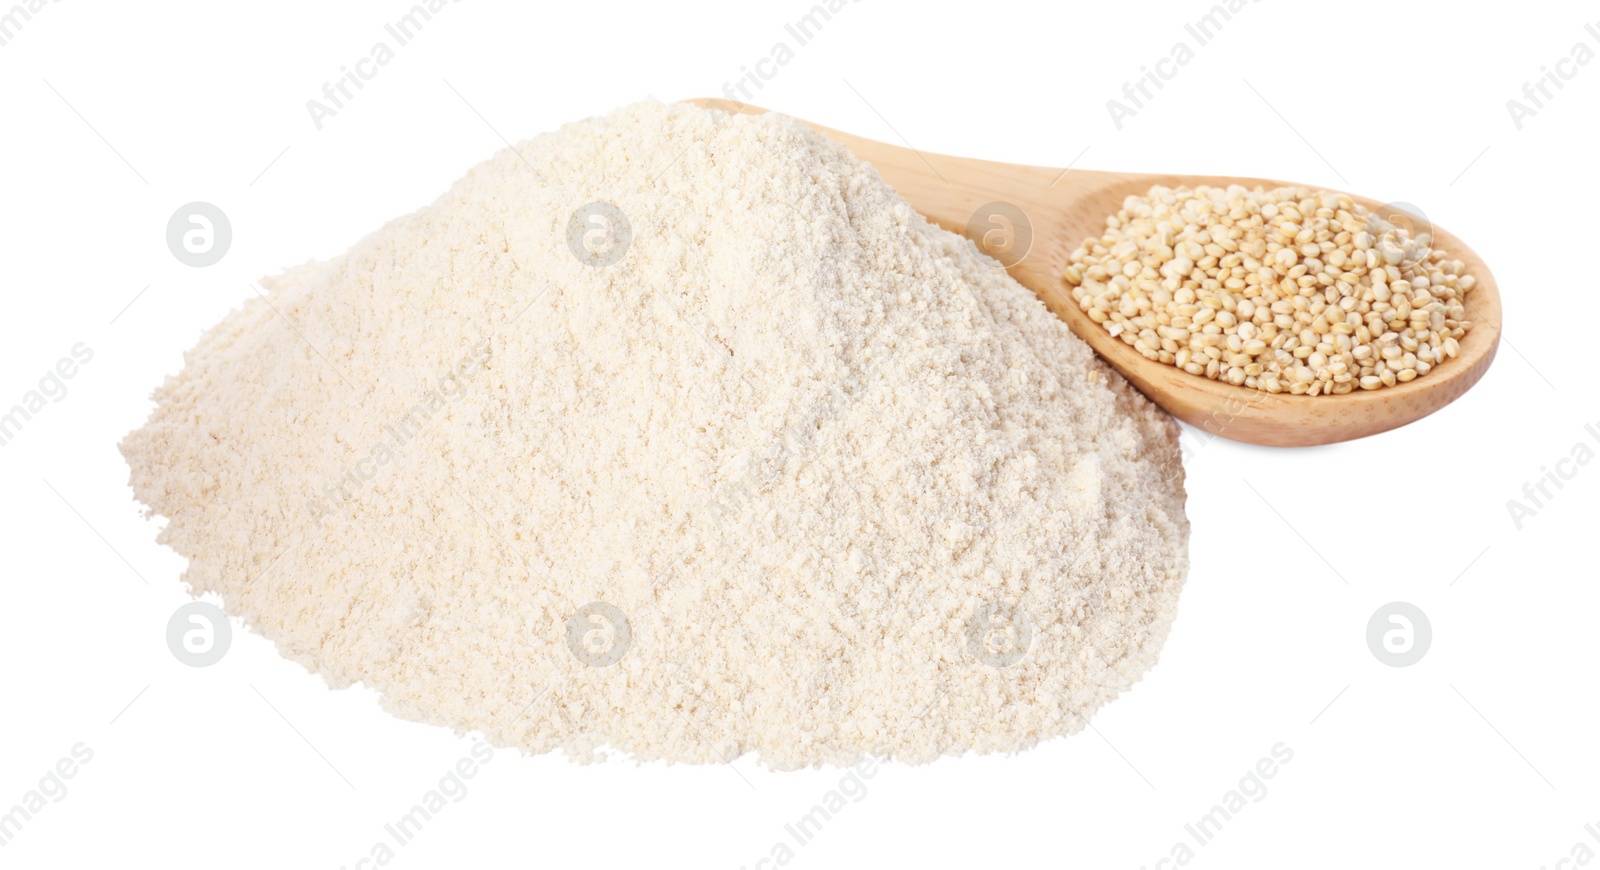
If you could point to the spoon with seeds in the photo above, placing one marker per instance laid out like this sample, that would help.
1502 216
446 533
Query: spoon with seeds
1033 219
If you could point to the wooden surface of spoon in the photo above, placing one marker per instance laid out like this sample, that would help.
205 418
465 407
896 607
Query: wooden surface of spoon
1032 218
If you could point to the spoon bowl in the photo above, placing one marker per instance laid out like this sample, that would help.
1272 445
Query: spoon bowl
1031 219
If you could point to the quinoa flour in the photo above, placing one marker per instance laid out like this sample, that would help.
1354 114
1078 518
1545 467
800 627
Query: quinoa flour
679 434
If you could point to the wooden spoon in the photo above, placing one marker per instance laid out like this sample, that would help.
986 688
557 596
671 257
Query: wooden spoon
1032 218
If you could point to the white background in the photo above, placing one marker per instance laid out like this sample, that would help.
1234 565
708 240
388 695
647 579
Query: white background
1481 755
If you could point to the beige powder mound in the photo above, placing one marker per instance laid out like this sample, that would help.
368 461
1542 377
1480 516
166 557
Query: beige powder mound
840 485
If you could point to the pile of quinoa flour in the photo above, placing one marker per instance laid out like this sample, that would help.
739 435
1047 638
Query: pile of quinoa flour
680 434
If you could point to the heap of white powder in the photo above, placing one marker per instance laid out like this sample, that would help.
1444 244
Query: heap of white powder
680 434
